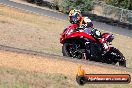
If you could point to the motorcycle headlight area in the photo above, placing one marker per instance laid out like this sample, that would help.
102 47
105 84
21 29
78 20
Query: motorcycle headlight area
69 32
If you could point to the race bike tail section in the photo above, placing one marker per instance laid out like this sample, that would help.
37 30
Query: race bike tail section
81 45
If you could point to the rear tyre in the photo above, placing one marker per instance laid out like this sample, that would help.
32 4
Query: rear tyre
117 56
122 63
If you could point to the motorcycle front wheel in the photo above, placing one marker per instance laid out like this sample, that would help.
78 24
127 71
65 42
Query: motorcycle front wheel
70 50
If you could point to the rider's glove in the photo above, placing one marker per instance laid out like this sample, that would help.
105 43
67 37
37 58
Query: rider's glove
82 26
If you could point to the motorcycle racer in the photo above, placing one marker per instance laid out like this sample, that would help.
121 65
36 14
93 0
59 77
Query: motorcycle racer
75 17
83 22
78 44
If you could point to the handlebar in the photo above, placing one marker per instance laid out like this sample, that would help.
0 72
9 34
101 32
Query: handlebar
78 29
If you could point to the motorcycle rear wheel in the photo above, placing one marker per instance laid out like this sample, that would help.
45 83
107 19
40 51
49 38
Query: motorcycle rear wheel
118 57
122 63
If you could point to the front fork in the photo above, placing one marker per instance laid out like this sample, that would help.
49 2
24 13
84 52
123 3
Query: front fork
87 51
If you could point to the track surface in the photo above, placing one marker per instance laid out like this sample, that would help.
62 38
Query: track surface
99 25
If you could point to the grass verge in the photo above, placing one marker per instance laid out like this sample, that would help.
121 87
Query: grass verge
13 78
26 30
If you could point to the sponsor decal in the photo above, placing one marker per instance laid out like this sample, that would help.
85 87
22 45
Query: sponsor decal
83 78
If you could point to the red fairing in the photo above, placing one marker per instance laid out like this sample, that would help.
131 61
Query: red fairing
65 34
81 34
71 27
105 36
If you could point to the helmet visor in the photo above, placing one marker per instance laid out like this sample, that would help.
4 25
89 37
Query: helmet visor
75 15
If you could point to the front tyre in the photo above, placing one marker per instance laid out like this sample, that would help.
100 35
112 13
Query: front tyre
71 50
64 50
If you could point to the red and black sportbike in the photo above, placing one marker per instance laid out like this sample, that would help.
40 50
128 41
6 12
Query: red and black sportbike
94 46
